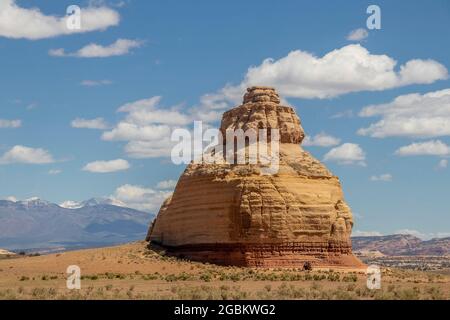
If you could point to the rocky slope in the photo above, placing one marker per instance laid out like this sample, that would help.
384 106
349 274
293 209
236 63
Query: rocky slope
40 225
233 214
402 244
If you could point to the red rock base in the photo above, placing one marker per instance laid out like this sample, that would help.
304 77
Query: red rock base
294 255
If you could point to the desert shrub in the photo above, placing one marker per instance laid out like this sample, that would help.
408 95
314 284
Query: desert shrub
291 292
316 286
111 275
150 276
7 294
235 277
239 295
318 277
351 287
184 276
350 278
170 278
290 277
51 292
308 277
407 294
332 276
342 295
38 292
205 277
130 294
435 293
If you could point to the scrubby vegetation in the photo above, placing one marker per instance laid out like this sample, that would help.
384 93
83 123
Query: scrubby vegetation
145 274
229 292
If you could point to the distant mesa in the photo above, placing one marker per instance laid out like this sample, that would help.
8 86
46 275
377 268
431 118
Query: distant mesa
230 214
401 245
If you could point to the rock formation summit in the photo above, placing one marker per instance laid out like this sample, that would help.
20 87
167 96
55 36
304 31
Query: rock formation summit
231 214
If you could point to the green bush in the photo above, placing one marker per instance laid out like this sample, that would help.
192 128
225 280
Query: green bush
205 277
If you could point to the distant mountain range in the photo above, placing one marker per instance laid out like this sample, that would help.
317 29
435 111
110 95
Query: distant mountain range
36 225
39 225
402 245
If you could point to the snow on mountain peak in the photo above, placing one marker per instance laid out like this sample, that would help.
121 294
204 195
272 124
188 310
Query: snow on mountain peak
100 201
92 202
34 201
71 204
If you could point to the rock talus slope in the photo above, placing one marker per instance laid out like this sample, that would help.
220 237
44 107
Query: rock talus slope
232 214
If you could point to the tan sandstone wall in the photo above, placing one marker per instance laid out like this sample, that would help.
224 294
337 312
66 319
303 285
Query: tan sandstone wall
231 214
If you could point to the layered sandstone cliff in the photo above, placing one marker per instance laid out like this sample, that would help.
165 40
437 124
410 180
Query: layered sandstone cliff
232 214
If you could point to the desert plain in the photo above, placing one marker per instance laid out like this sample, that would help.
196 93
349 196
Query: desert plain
135 271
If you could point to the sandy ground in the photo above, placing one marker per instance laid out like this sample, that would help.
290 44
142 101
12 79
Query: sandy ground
132 271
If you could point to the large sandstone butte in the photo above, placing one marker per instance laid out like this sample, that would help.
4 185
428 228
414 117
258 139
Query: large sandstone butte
233 215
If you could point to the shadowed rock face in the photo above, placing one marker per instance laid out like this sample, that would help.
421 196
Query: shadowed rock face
233 215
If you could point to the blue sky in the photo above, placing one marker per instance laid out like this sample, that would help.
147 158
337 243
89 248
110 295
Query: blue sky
182 52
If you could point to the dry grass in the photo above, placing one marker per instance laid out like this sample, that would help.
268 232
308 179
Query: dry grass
132 271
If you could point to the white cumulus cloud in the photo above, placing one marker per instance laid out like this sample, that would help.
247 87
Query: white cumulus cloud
427 148
321 140
10 123
347 153
97 123
166 184
410 115
149 149
443 164
383 177
359 233
27 155
140 198
107 166
147 128
119 48
352 68
130 131
95 83
343 114
148 111
30 23
358 34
